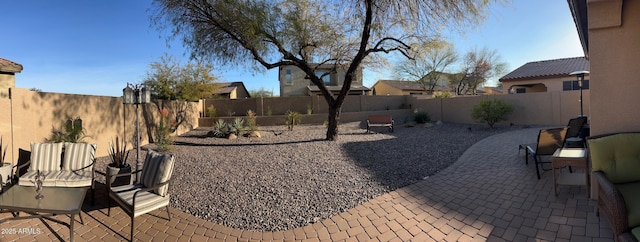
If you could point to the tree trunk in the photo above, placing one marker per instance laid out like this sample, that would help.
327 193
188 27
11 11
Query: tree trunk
334 120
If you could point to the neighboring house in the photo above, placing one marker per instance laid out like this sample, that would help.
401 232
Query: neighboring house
396 87
610 33
232 90
294 82
489 91
8 70
546 76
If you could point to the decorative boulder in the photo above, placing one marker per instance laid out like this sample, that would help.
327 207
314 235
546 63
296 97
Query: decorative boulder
232 136
254 134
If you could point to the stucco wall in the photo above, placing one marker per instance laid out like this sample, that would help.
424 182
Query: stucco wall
540 85
614 53
6 81
545 108
31 116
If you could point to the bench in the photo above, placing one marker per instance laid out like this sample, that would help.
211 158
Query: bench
379 121
62 164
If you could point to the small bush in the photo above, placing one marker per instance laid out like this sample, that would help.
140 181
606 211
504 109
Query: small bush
212 112
269 112
251 121
293 118
491 111
163 132
421 117
442 94
309 109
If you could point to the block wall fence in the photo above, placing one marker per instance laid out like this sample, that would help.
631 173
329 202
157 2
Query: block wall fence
29 116
544 108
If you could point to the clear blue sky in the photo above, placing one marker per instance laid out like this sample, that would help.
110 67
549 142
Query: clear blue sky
96 47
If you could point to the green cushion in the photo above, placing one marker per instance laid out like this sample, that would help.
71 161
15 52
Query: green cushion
636 233
618 156
631 194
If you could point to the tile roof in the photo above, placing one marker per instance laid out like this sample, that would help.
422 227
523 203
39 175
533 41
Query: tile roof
548 68
9 66
228 87
410 85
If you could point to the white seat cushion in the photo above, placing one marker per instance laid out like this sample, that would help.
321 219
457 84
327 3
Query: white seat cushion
145 201
28 179
81 178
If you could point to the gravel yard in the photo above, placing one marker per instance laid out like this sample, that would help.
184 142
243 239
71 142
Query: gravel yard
288 179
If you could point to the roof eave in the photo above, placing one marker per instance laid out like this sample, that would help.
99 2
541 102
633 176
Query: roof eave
578 10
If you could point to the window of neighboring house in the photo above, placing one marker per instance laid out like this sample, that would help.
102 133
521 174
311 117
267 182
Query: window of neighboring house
415 93
288 78
521 90
326 78
573 85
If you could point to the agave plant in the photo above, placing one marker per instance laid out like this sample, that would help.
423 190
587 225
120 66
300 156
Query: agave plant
118 154
219 129
237 127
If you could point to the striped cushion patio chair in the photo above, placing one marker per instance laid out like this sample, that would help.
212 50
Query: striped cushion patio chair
150 193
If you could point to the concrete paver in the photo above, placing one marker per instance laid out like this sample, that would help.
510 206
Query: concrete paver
489 194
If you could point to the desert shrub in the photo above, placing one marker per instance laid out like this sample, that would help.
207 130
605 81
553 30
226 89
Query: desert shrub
442 94
163 132
251 121
269 111
212 112
421 117
309 109
293 118
491 111
71 131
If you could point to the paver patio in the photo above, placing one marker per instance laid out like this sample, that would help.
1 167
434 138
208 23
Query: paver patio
489 194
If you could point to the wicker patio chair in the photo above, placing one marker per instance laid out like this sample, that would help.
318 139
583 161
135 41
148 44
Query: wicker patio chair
615 167
150 193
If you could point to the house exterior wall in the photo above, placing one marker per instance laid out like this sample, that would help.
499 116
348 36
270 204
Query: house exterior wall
614 52
299 84
384 89
538 85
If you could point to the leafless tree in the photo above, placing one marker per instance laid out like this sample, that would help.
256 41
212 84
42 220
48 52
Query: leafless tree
273 33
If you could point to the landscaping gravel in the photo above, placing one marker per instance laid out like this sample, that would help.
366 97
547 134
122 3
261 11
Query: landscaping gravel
289 179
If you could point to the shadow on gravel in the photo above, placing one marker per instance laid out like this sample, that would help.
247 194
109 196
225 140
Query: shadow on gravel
415 153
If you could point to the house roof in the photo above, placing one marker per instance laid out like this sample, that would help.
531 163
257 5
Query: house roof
408 85
9 66
548 68
228 87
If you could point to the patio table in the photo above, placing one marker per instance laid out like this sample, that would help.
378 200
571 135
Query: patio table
57 200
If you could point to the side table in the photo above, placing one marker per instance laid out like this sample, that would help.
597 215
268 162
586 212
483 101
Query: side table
575 157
